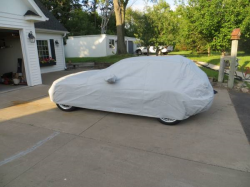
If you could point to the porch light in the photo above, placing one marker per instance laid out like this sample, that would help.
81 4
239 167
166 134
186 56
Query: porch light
31 37
56 42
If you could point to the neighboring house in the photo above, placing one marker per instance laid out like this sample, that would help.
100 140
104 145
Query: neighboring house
96 45
19 20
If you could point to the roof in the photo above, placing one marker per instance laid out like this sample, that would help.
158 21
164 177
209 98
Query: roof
30 13
52 23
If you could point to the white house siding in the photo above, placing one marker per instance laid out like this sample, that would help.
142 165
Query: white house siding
86 46
92 45
17 22
111 51
15 7
59 51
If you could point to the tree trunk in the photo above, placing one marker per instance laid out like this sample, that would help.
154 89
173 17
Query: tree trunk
157 51
120 8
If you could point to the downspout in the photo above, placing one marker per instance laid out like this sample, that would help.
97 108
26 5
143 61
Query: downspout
65 67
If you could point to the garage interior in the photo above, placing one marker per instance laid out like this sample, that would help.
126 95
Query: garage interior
12 71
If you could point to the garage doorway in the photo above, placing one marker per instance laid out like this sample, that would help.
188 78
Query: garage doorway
12 70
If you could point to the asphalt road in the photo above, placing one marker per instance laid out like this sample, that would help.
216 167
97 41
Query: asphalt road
241 102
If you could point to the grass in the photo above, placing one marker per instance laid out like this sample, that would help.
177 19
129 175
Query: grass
210 73
214 58
107 59
213 73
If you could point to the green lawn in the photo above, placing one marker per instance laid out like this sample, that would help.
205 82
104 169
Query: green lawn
214 58
108 59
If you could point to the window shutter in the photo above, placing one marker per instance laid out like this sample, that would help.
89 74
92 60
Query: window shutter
52 47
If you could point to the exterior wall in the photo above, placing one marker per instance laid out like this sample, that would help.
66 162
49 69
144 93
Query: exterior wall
59 50
11 17
9 56
86 46
92 45
15 7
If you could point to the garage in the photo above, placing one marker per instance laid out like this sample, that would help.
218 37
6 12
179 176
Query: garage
12 69
30 38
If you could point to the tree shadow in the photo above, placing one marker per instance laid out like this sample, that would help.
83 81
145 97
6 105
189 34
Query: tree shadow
214 61
245 64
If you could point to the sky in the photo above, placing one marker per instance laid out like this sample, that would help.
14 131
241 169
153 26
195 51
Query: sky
139 4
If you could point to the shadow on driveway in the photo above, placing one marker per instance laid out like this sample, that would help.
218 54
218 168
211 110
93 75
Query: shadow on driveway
241 102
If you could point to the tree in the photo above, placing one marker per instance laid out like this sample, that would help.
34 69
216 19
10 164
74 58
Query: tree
131 24
82 23
163 23
107 10
144 28
210 23
111 28
91 6
61 8
155 26
120 9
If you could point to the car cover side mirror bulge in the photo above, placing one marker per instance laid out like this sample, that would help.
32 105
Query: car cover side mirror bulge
111 79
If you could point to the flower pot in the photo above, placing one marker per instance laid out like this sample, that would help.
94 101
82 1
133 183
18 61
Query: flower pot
16 81
47 64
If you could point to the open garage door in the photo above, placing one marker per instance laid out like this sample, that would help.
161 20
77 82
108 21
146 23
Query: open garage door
12 70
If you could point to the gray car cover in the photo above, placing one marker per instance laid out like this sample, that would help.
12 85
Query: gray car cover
162 87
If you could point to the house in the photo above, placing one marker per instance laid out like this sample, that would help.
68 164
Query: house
96 45
30 35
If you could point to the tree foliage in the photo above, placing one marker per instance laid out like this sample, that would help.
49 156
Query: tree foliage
198 25
82 23
61 8
156 26
209 23
80 17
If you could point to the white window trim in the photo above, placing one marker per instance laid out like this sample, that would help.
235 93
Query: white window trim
49 48
112 46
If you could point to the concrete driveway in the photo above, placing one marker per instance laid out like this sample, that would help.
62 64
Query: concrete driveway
42 146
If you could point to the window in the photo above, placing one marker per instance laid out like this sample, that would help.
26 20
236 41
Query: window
111 43
43 49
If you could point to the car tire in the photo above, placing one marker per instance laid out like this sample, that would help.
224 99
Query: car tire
168 121
66 108
139 52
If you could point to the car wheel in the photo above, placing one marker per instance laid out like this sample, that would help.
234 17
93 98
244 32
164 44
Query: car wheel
139 52
66 108
168 121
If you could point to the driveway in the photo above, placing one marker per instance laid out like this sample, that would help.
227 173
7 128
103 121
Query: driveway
43 146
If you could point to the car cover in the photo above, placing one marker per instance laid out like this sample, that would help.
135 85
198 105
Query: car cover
163 87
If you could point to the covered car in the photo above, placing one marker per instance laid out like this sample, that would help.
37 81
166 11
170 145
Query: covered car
169 88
